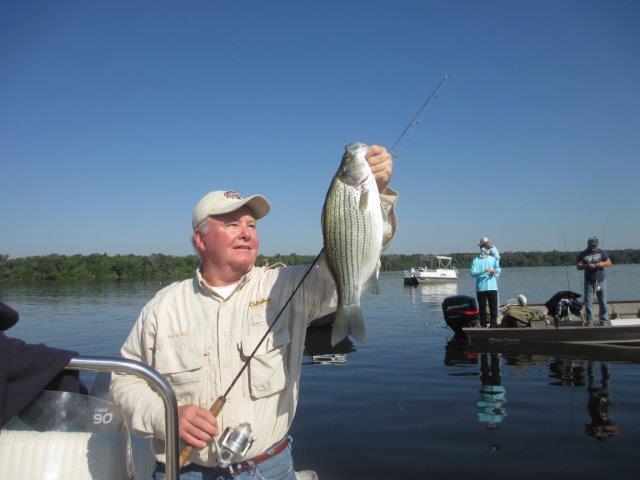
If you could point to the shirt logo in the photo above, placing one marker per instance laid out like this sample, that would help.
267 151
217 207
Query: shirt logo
173 336
232 194
593 258
257 303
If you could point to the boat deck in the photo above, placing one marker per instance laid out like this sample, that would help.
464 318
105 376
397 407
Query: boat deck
623 330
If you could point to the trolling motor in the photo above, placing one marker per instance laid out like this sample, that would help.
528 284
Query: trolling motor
234 443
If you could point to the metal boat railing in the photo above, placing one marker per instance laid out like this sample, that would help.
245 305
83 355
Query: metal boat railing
157 383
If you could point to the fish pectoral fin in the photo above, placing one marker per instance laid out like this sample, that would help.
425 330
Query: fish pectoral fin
324 272
364 198
348 321
372 285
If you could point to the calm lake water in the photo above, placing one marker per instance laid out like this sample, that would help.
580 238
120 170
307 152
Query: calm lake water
409 403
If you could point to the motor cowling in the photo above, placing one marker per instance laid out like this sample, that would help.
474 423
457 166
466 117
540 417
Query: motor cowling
460 311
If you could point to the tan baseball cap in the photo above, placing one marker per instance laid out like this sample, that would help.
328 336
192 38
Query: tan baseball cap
226 201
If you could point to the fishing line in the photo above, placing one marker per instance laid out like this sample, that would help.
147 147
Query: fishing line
414 119
433 327
606 224
581 279
216 408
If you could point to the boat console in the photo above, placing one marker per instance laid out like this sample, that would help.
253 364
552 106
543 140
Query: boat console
62 435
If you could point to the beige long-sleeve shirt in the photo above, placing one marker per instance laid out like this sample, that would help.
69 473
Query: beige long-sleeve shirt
199 341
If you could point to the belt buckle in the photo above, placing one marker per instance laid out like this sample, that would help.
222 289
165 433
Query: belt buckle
236 468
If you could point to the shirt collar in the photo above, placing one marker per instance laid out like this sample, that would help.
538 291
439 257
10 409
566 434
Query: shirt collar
206 289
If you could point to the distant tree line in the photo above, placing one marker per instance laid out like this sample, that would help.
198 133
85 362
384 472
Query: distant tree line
508 259
96 267
137 267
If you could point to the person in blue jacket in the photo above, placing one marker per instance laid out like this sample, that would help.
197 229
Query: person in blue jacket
485 269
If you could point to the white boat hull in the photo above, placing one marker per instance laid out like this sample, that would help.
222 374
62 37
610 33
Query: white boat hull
443 277
431 276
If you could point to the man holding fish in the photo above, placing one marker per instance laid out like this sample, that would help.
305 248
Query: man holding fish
199 333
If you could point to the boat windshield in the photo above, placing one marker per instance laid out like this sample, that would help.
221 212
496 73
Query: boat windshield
66 435
444 262
433 262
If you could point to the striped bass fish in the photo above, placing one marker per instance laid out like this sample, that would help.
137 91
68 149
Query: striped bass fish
352 227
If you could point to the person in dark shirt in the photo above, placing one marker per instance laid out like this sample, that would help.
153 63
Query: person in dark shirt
593 261
26 369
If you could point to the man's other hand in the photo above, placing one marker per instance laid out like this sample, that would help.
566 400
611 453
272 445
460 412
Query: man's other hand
381 163
196 426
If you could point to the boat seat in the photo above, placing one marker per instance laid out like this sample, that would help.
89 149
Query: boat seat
33 454
62 455
517 316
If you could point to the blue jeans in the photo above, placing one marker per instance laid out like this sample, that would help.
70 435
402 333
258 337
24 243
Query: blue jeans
600 291
279 467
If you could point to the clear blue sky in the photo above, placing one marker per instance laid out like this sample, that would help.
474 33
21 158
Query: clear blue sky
116 117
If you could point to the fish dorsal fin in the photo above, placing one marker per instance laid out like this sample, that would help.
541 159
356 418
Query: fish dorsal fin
364 198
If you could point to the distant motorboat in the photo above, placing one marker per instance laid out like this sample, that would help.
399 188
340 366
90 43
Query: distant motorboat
520 323
440 270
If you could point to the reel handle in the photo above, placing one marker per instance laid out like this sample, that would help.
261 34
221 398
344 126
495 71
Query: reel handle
215 409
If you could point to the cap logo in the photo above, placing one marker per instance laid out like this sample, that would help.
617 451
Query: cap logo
232 194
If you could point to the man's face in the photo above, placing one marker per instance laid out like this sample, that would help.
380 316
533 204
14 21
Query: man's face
486 245
231 240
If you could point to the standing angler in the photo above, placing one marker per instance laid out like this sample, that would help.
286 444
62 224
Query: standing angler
593 261
353 231
199 333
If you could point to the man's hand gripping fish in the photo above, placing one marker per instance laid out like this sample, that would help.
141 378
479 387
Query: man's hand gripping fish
352 227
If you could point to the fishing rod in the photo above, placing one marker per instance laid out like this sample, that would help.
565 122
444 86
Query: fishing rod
567 269
217 406
414 119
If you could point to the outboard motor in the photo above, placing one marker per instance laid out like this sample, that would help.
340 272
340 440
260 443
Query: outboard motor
460 311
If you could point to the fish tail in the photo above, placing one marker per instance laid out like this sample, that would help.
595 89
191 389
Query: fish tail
348 321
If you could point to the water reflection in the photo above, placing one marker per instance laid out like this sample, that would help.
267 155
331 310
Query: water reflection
317 346
579 368
602 427
491 410
456 354
566 372
430 295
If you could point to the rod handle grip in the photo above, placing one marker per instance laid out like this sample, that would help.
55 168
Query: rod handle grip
215 409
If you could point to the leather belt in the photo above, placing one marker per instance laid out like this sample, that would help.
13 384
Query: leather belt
267 454
240 466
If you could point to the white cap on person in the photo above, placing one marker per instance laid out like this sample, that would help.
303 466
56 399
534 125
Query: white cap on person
226 201
483 240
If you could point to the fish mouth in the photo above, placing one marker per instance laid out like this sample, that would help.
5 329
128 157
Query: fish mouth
353 148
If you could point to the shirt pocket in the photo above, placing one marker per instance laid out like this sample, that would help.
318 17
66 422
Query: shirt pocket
268 372
261 316
182 367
